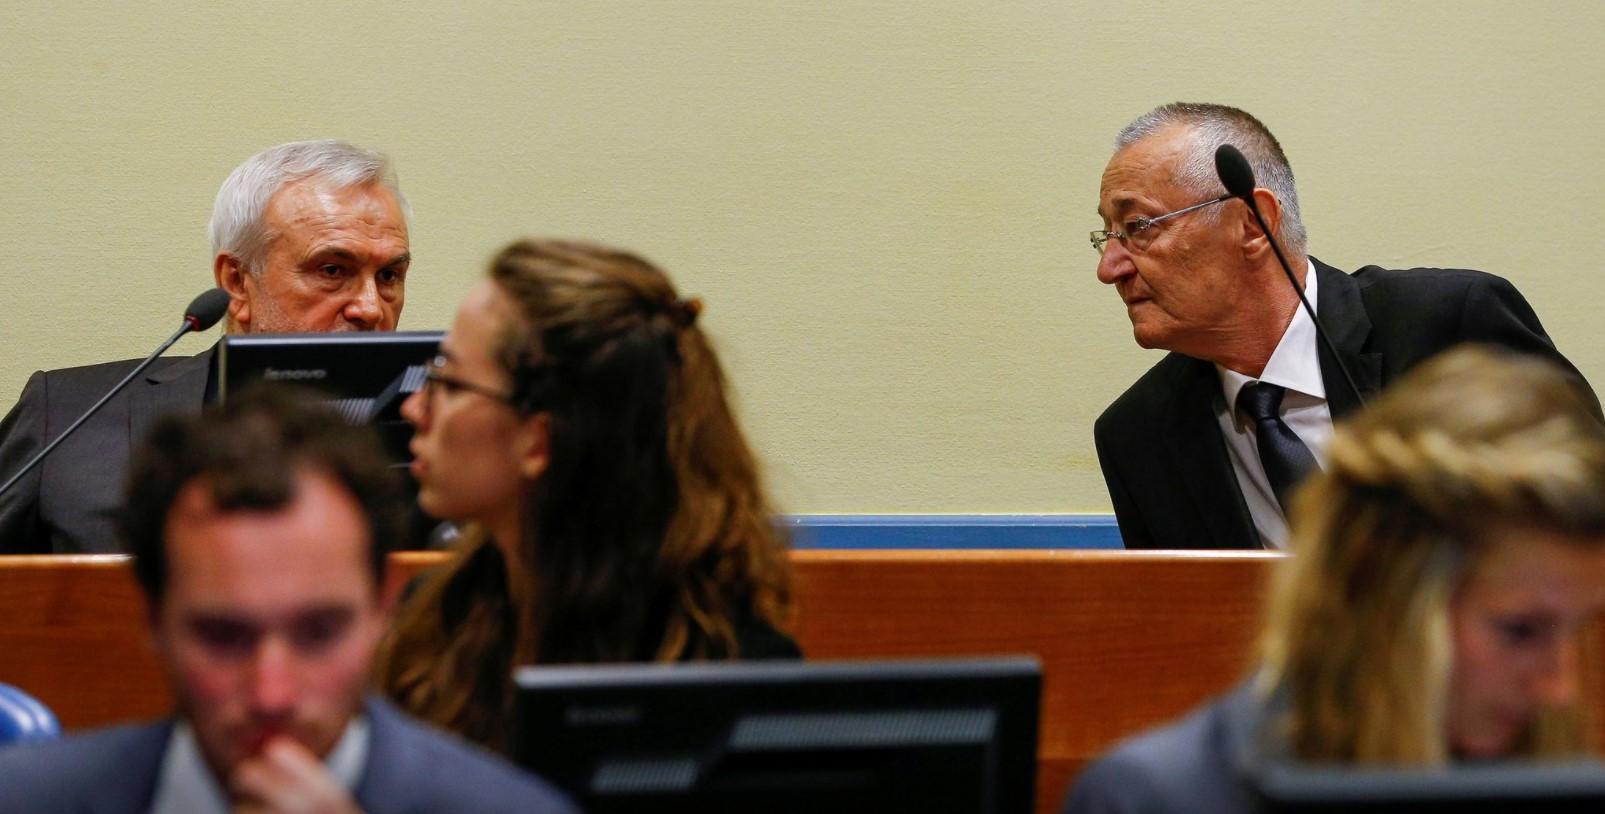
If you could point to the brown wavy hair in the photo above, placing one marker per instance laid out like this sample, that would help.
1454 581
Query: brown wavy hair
647 538
1418 488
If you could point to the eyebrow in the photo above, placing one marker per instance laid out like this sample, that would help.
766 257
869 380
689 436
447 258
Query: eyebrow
1120 201
337 252
232 617
324 612
326 252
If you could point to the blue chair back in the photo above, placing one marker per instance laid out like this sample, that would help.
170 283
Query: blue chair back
23 719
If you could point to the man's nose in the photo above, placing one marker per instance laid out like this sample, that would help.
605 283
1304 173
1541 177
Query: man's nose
1115 262
1556 681
273 683
365 309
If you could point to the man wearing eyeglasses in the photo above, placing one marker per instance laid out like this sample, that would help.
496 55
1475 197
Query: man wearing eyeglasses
1206 449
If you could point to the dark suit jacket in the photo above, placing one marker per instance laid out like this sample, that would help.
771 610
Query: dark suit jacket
1160 446
410 768
67 504
1204 762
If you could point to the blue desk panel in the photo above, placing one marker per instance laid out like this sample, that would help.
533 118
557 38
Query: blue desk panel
1023 531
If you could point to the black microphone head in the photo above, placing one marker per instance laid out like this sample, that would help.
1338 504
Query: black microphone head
1235 173
205 310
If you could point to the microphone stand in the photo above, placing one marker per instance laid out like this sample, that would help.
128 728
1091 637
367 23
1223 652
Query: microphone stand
1237 175
190 324
1299 290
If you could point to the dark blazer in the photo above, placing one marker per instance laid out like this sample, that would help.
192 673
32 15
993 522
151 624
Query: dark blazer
67 504
1160 446
1204 762
410 768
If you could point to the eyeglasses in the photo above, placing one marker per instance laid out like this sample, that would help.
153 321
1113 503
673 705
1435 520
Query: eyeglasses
436 381
1135 233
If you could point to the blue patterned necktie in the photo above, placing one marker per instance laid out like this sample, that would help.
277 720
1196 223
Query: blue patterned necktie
1286 459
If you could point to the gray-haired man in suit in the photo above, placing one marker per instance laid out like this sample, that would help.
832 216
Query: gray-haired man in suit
258 538
306 236
1207 447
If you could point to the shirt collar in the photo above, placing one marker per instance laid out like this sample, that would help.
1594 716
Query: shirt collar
186 784
1294 364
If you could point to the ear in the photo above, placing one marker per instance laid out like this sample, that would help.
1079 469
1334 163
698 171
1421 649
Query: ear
1256 246
232 277
533 445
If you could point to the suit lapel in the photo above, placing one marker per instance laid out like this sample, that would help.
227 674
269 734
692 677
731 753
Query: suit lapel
179 387
1200 454
392 771
1343 315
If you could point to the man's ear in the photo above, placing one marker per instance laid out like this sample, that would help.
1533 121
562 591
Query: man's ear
231 276
1256 246
533 445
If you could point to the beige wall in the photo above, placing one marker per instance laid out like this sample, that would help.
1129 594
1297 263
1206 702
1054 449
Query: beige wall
885 205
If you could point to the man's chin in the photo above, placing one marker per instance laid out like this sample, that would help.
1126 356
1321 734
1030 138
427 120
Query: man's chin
1147 336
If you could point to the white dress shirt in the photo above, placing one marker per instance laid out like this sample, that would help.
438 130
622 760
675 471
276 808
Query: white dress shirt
1296 366
185 783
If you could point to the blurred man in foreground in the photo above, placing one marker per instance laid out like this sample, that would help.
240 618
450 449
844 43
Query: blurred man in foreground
258 538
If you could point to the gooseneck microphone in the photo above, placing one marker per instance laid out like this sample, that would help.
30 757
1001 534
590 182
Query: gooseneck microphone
1238 178
203 312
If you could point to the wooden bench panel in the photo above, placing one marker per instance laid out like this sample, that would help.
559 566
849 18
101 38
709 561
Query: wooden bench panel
1126 639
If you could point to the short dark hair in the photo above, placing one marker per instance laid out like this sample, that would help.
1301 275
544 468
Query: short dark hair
249 451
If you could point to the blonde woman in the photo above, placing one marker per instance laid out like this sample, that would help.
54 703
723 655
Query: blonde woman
1443 568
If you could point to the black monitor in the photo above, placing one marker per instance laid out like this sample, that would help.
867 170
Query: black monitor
1527 788
785 737
367 375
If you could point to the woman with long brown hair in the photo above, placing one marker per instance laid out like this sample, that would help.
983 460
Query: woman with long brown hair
576 424
1443 568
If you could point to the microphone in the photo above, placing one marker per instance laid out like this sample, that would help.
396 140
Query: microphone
1238 178
203 312
206 309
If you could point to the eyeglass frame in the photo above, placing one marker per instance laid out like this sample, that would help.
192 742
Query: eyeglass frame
1100 237
434 379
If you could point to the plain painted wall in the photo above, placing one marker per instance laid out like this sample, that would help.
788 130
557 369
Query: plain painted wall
884 204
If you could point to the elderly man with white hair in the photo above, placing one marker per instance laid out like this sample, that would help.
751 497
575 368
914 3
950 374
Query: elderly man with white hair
1206 448
306 236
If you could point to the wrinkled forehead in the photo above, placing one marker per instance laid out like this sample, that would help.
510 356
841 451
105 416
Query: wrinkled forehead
1147 170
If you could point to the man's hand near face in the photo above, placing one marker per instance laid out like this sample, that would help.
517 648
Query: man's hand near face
286 778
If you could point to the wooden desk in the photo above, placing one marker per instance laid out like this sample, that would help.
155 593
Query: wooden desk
1126 639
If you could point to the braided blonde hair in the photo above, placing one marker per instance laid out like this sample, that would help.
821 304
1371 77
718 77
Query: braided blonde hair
1473 443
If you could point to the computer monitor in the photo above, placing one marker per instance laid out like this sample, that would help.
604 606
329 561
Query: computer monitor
367 375
785 737
1526 788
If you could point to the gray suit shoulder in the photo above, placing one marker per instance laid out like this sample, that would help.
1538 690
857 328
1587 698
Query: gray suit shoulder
105 769
71 390
1186 766
417 768
101 374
